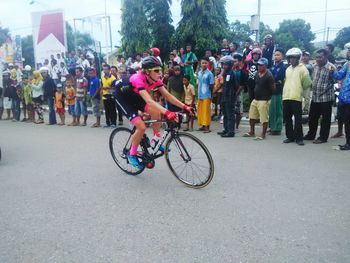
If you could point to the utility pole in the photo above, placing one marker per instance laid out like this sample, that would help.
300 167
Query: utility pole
106 26
75 37
258 31
325 21
327 35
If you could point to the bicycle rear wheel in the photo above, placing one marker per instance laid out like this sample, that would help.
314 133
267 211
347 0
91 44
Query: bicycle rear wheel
189 160
119 145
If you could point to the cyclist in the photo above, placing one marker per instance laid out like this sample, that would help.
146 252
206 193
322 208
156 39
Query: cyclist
133 96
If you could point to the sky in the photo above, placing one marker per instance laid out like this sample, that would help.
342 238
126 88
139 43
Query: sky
16 14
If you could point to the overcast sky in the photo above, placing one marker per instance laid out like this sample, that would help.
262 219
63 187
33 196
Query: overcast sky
16 14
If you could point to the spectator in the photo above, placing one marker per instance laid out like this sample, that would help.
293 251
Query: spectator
156 53
278 71
233 48
27 99
7 93
55 72
70 99
122 68
83 63
49 88
81 96
322 98
62 72
190 60
205 86
330 49
259 108
71 64
268 50
241 78
344 97
253 68
59 103
225 49
95 90
212 62
114 72
15 95
1 102
38 93
297 80
246 49
108 101
217 92
229 89
305 59
190 97
137 64
175 87
172 63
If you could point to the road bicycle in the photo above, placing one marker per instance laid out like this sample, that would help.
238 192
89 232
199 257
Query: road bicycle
187 157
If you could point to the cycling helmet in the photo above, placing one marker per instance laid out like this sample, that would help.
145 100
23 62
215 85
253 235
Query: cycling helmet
27 68
256 51
155 51
347 46
226 60
150 62
294 52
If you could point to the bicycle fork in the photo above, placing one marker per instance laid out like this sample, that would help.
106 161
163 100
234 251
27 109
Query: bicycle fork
182 149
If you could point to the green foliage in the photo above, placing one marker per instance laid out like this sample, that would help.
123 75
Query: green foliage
343 37
295 33
238 33
135 29
203 24
28 50
84 40
4 34
159 17
264 30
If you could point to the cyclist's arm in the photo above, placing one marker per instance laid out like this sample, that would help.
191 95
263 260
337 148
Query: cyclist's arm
148 99
169 97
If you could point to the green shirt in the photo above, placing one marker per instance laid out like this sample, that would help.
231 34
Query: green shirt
27 94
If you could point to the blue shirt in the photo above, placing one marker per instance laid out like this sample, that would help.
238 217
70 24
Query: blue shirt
279 74
344 94
93 86
205 79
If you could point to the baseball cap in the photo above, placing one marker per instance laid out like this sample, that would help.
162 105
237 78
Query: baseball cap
306 53
263 61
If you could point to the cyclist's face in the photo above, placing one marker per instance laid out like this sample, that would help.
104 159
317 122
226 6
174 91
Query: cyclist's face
155 74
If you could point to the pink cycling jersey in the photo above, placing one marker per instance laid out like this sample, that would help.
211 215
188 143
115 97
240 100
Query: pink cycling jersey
139 82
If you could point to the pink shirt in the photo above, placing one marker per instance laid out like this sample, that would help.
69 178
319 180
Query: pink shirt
139 82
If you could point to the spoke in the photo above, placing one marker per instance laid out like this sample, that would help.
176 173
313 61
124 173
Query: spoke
198 167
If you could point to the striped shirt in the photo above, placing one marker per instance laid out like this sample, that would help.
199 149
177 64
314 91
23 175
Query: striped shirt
82 85
322 84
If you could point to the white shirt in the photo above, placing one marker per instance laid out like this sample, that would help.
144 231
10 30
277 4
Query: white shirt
38 89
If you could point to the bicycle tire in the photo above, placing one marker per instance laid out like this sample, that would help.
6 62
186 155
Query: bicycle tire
119 155
169 150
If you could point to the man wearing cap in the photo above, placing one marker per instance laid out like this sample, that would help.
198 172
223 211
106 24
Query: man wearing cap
268 49
253 68
297 80
259 108
305 59
49 88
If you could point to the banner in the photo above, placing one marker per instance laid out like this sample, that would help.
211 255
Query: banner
49 35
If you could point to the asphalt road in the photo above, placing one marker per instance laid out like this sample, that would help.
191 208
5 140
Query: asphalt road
62 199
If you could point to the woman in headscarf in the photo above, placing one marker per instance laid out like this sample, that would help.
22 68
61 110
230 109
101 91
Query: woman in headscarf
37 88
15 95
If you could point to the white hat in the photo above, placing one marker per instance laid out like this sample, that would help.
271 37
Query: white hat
44 69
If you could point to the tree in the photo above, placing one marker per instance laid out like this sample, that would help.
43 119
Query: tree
295 33
263 31
28 51
239 33
135 29
4 34
84 40
203 24
159 17
343 37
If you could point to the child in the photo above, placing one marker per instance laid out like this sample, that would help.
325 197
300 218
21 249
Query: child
59 103
190 96
70 91
218 81
27 99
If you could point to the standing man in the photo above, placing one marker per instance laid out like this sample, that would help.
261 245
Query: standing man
205 86
108 102
253 68
268 49
49 88
259 108
229 90
190 59
94 89
225 49
297 80
330 49
278 71
81 95
175 87
246 49
322 98
115 73
305 59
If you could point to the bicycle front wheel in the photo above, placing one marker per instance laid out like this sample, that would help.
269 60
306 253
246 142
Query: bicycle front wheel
189 160
119 145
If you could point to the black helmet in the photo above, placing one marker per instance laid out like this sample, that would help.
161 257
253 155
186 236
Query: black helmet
226 60
150 62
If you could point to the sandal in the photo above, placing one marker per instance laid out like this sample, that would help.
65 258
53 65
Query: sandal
258 138
248 135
